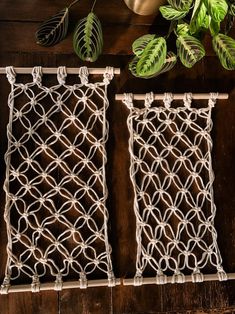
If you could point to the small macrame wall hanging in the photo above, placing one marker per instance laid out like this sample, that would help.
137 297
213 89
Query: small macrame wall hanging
171 172
55 184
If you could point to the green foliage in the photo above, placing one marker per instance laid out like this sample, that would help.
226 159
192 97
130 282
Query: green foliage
140 43
53 30
224 47
152 58
170 13
190 20
198 18
88 38
217 9
168 64
190 50
181 5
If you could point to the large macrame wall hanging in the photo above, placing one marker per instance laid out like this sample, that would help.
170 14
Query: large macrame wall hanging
171 171
55 184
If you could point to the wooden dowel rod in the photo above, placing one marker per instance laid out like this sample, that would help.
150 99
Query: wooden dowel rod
66 285
175 96
152 280
54 70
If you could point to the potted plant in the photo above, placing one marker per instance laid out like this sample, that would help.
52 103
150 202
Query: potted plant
189 21
144 7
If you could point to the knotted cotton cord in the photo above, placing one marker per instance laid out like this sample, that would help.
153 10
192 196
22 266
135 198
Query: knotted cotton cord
55 183
172 177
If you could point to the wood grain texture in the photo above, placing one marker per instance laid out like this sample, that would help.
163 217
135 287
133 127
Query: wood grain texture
121 27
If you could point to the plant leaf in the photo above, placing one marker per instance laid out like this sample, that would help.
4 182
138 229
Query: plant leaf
88 38
198 19
140 43
53 30
182 29
153 57
181 5
169 63
231 9
217 9
229 23
224 47
171 14
190 50
214 27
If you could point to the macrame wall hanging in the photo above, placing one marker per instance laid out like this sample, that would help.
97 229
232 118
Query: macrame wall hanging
55 184
171 171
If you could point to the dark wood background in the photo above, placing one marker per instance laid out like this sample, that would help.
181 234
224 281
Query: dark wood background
18 22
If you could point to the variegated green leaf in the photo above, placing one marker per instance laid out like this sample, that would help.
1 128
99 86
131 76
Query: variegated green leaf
169 63
181 5
198 19
171 14
190 50
140 43
224 47
214 27
88 38
153 57
229 23
217 9
231 9
182 29
53 30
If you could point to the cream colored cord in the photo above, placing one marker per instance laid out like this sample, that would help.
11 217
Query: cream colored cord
171 172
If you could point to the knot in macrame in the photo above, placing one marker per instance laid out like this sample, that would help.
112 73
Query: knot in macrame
138 279
111 279
108 75
187 100
212 99
35 285
197 276
61 75
178 277
6 285
11 75
128 100
83 74
149 98
221 274
83 281
37 75
167 99
58 283
161 279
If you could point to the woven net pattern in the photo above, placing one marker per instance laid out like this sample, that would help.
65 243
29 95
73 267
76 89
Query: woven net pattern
171 171
55 181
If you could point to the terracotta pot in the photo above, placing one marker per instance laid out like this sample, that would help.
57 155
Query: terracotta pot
144 7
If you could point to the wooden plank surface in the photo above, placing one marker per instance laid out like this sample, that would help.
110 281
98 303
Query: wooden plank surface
120 29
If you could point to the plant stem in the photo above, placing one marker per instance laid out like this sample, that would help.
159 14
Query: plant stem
93 5
72 4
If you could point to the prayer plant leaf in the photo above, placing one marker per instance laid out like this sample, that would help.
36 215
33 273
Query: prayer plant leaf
181 5
224 47
217 9
172 14
153 57
231 9
53 30
88 38
198 19
229 23
182 29
140 43
169 63
190 50
214 27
